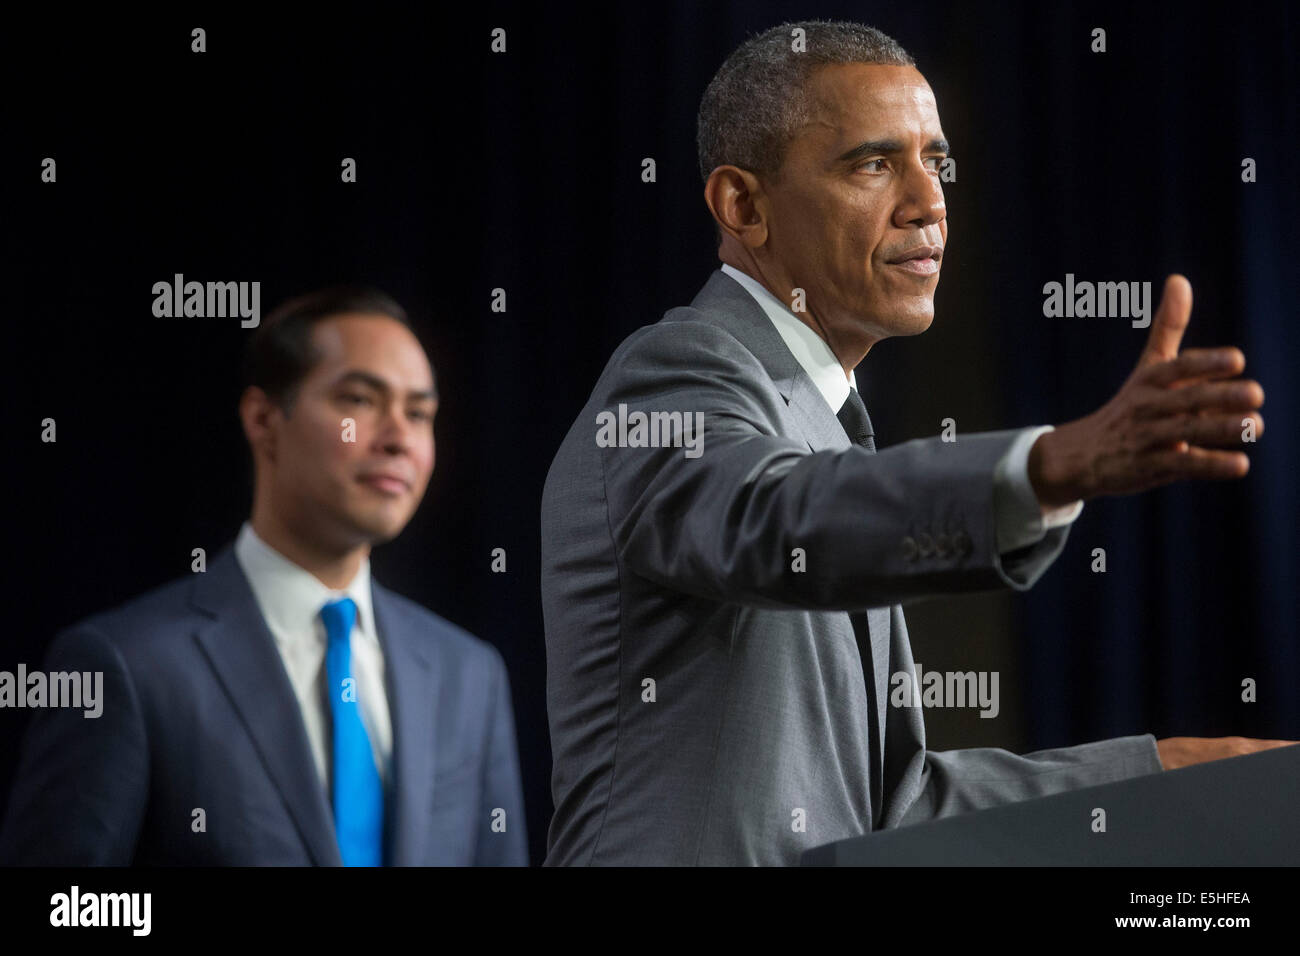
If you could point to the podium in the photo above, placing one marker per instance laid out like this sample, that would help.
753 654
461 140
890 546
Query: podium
1242 811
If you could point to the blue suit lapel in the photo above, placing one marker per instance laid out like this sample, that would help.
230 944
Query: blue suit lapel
410 660
239 646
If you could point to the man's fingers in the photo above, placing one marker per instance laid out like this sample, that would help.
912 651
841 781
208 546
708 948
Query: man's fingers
1193 364
1236 396
1222 430
1169 322
1198 463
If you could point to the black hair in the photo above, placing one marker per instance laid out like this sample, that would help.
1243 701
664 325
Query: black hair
761 96
280 353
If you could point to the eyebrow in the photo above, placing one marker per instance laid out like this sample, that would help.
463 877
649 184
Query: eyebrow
873 146
377 383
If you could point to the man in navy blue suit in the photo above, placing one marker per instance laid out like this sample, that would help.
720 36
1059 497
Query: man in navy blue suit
279 707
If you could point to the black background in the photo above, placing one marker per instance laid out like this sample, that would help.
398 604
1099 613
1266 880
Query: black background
522 171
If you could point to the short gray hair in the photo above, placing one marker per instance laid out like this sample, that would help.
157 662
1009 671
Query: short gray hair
758 100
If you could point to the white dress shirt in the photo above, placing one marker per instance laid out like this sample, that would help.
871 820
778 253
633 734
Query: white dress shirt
1020 519
291 598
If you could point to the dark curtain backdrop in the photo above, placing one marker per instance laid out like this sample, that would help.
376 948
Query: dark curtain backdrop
522 171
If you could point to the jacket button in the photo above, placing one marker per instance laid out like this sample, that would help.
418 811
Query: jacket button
943 545
926 544
961 543
909 549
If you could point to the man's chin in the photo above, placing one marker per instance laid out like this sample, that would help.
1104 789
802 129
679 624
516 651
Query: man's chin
911 323
379 528
921 323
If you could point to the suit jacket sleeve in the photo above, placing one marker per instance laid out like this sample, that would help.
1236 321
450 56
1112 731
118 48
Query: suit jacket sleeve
502 789
725 524
81 787
960 781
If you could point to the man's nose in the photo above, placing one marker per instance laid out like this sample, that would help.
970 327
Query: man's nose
922 201
394 435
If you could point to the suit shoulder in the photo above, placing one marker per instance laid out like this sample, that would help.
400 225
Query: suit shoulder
156 614
430 626
686 339
681 328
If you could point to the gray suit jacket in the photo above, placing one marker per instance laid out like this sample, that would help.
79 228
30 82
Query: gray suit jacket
709 703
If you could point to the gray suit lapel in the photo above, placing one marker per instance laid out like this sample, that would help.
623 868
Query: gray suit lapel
821 428
239 647
733 308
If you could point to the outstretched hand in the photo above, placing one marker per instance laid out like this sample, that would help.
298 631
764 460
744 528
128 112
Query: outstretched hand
1176 416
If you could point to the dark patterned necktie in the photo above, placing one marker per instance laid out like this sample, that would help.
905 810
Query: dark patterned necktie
857 423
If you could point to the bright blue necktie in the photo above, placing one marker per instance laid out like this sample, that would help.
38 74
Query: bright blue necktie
358 790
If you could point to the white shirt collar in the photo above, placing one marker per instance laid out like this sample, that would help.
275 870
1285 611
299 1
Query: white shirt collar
290 596
808 348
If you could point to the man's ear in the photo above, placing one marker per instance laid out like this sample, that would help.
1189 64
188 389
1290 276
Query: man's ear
732 194
259 416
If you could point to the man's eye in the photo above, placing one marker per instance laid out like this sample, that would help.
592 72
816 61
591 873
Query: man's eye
357 399
419 416
937 160
871 162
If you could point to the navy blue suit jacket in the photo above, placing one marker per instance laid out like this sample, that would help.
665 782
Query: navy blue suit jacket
198 712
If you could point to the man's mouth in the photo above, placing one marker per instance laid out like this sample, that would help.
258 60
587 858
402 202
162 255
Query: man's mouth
920 267
385 483
919 260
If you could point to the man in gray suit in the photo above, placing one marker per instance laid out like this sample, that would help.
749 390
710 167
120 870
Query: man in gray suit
724 552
